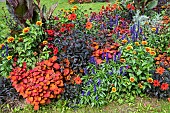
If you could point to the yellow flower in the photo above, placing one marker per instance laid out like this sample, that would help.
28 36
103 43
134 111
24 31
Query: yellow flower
10 39
129 47
144 42
146 22
26 30
150 80
113 89
20 39
137 43
74 8
153 29
124 41
9 57
132 79
39 23
148 49
152 53
45 42
134 52
140 85
1 45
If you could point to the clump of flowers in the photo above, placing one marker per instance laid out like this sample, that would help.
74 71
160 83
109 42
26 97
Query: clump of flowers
42 83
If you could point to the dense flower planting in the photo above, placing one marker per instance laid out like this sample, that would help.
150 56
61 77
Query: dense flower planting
113 55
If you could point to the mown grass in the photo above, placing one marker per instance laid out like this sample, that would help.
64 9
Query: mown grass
141 105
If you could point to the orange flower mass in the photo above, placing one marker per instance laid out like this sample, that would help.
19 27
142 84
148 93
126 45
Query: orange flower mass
152 53
160 70
89 25
148 49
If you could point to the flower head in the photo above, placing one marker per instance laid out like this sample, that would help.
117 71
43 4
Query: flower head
45 42
72 16
9 57
10 39
153 29
113 89
2 45
156 83
77 80
164 86
129 47
150 80
39 23
26 30
144 42
137 43
160 70
89 25
124 41
152 53
132 79
148 49
140 85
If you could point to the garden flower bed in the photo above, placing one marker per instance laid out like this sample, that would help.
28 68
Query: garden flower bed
117 54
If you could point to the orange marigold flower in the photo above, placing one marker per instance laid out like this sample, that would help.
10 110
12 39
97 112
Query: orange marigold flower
144 42
9 57
150 80
122 60
39 23
132 79
124 41
164 86
148 49
129 47
77 80
160 70
152 53
137 43
20 39
26 30
114 89
10 39
89 25
45 42
140 85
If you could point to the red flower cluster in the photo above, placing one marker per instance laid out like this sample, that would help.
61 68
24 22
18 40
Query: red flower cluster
66 27
72 16
44 82
130 7
163 58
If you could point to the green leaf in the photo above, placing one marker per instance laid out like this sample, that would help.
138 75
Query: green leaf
152 4
139 72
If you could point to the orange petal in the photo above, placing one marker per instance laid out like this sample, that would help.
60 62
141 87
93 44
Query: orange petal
56 66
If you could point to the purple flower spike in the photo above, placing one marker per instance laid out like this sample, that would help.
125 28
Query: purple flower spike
95 88
93 72
97 97
6 50
107 57
92 60
114 57
85 71
98 82
82 93
88 93
157 30
121 69
102 55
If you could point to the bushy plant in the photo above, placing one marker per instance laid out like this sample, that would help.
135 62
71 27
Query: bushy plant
7 92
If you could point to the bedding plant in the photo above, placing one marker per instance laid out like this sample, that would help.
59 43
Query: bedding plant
92 59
